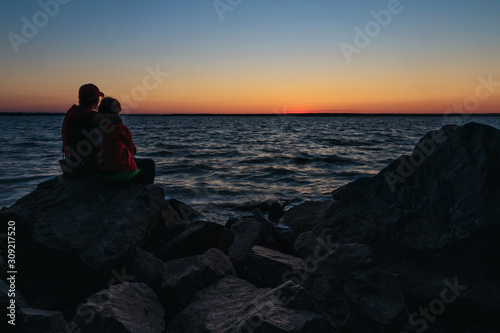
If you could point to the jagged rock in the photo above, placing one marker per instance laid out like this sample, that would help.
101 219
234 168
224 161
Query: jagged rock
246 233
432 218
73 232
269 268
231 221
274 236
233 305
184 211
123 308
182 278
3 268
305 217
146 268
267 228
316 243
42 321
276 210
197 238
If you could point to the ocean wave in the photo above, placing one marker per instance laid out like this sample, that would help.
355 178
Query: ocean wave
278 171
258 160
331 159
351 143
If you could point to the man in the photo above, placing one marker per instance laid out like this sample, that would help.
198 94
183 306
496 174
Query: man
78 141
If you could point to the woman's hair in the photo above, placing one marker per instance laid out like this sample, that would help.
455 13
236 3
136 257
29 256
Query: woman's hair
110 105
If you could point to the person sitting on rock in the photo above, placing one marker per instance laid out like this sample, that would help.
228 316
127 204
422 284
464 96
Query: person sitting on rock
79 121
116 150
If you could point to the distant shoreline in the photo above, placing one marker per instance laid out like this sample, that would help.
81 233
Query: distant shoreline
271 114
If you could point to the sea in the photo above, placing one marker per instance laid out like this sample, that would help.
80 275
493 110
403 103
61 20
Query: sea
224 166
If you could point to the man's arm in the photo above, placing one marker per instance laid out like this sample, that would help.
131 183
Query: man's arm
107 117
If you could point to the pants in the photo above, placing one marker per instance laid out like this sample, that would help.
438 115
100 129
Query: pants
147 173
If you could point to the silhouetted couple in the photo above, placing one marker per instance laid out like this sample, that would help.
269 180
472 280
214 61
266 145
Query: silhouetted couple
99 143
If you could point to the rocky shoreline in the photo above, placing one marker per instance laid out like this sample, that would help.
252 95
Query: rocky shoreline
411 249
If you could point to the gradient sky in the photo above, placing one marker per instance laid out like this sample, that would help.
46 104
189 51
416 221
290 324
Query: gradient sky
259 56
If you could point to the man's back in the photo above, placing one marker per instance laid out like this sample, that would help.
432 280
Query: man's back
77 141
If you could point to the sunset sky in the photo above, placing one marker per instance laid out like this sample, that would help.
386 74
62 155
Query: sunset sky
253 56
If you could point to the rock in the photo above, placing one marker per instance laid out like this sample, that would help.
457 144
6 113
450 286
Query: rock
123 308
267 228
144 267
432 218
305 217
182 278
3 268
315 243
231 221
362 297
269 268
246 233
273 236
276 210
42 321
233 305
197 238
73 232
184 211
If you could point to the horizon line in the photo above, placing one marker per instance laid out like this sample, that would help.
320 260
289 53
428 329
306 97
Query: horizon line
386 114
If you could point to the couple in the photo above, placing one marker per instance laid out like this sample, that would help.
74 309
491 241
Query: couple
99 143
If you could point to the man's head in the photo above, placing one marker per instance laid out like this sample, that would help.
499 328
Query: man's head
88 95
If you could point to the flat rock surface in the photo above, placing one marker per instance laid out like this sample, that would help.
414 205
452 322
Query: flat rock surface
123 308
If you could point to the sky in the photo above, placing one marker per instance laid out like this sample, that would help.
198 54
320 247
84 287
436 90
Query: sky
253 56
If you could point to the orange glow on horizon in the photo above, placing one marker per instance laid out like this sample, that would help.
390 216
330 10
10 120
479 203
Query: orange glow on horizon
349 91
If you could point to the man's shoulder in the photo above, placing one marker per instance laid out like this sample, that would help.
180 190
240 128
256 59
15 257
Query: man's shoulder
78 113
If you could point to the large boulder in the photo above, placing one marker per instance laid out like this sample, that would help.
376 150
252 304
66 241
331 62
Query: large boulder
432 218
124 308
233 305
73 232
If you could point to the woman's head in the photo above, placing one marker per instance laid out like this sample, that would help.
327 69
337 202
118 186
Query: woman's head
110 105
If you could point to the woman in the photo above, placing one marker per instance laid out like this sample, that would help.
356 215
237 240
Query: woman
115 153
